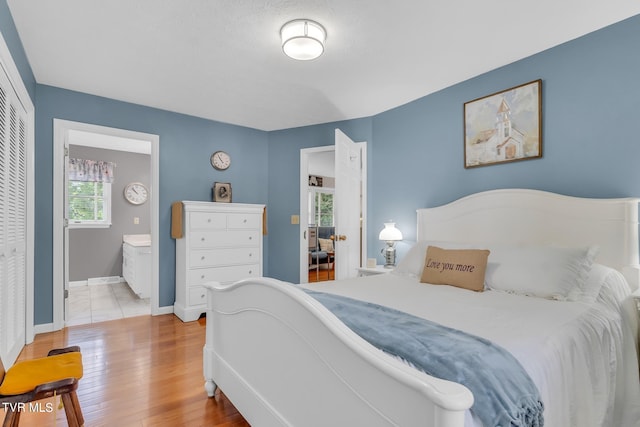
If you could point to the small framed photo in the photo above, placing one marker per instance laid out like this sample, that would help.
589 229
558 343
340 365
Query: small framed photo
221 192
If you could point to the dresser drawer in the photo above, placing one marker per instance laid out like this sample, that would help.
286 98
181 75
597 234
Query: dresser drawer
240 221
197 295
223 274
221 257
207 220
224 238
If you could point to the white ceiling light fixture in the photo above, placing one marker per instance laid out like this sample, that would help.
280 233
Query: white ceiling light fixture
303 39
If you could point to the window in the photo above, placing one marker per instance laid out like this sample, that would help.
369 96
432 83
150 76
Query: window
89 204
321 207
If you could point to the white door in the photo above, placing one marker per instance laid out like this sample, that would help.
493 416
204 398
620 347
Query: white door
13 222
348 212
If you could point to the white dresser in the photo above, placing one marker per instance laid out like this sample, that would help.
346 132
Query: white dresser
221 242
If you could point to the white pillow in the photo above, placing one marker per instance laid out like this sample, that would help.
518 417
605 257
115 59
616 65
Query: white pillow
598 275
412 263
541 271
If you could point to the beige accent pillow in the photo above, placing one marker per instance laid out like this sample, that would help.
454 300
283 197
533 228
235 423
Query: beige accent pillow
463 268
326 245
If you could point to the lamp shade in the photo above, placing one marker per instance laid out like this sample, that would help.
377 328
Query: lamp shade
390 232
303 39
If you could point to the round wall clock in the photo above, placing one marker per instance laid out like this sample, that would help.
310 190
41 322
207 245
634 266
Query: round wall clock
136 193
220 160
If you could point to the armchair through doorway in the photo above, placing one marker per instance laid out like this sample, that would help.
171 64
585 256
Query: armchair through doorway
321 253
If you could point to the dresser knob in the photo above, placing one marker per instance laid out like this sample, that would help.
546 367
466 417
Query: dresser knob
245 221
202 296
250 254
202 258
250 271
202 239
209 220
202 277
250 238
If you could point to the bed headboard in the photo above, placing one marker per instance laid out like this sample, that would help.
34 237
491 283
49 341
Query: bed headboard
538 217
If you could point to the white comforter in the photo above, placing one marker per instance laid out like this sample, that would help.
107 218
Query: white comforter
581 356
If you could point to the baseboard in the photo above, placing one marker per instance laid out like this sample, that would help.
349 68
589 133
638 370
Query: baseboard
109 280
43 328
163 310
77 283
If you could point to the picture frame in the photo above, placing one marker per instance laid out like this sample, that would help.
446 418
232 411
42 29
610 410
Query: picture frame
504 127
315 181
221 192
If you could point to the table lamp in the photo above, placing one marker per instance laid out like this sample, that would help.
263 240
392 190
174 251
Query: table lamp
390 234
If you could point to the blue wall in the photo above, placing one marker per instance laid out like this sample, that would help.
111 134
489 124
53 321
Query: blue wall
186 144
591 133
591 111
284 187
11 38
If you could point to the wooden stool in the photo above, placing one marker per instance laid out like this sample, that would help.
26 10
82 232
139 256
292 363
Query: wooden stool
36 379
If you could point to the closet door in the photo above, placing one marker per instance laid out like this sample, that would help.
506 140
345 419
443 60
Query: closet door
13 221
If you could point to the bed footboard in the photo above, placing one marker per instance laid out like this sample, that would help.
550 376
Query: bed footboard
284 360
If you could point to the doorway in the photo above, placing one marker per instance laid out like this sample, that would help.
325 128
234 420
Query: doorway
324 219
320 213
99 221
69 136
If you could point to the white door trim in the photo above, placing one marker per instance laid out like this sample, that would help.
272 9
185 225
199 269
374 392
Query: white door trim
304 208
364 203
60 130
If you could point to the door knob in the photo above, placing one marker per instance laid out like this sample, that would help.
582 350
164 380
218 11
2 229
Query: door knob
342 237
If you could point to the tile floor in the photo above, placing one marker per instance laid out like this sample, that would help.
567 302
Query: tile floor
97 303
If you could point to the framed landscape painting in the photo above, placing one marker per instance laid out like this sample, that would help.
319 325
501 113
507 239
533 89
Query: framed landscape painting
504 127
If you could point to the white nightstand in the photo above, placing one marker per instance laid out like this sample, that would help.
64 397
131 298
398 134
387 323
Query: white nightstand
372 271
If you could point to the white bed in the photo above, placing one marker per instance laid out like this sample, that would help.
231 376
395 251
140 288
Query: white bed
283 359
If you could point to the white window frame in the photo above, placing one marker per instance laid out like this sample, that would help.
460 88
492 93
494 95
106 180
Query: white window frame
313 195
104 223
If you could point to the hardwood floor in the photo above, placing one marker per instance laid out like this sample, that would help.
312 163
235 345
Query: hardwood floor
321 275
139 371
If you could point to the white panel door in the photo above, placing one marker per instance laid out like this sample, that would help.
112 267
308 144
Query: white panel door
347 209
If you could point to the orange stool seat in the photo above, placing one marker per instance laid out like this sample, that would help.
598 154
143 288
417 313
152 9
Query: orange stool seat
31 380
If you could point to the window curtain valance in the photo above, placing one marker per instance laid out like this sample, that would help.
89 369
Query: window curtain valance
90 170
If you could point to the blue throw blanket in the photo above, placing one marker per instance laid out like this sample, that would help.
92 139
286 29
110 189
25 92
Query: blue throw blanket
504 394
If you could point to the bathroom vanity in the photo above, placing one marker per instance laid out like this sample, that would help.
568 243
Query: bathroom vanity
136 263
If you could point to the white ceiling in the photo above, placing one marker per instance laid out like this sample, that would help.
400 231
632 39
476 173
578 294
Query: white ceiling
222 59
